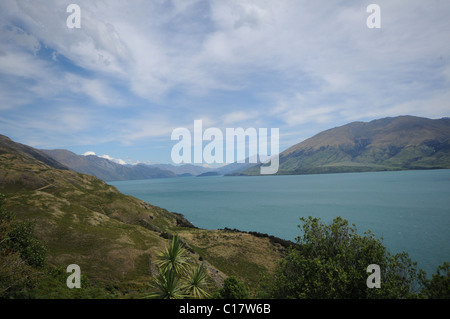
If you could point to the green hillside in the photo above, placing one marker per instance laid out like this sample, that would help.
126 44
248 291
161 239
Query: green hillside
114 238
399 143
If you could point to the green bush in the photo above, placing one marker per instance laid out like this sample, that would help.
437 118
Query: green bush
330 262
233 288
53 285
438 287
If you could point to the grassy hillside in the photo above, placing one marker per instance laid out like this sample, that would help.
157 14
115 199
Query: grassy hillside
404 142
114 237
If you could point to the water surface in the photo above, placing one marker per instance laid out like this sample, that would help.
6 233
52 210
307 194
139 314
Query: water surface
409 209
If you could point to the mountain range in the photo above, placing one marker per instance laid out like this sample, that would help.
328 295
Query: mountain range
105 169
108 170
394 143
185 169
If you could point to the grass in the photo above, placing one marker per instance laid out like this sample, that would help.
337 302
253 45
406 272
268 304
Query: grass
244 255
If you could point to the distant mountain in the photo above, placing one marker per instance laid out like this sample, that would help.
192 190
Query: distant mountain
234 167
182 169
105 169
110 171
195 170
208 174
394 143
185 175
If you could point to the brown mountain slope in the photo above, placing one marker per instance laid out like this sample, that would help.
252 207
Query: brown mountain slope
398 131
404 142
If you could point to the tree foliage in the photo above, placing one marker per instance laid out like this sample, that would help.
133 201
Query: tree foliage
233 288
330 261
438 287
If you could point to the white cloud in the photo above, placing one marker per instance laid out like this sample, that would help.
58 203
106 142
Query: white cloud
24 65
95 46
134 162
46 81
434 107
136 43
96 89
89 153
145 128
115 160
237 117
294 63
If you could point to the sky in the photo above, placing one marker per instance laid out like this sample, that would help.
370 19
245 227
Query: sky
136 70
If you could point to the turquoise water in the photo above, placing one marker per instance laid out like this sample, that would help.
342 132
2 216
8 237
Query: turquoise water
410 210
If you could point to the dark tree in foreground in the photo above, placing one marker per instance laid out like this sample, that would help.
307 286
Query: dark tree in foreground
233 288
438 287
330 261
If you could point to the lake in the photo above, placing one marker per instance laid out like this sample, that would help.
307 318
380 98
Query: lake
410 210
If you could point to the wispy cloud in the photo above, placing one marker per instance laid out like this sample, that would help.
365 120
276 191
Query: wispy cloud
136 70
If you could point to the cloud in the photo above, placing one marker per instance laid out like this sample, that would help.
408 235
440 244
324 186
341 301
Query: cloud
148 127
433 107
96 89
134 162
96 46
153 48
115 160
20 64
89 153
237 117
136 70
